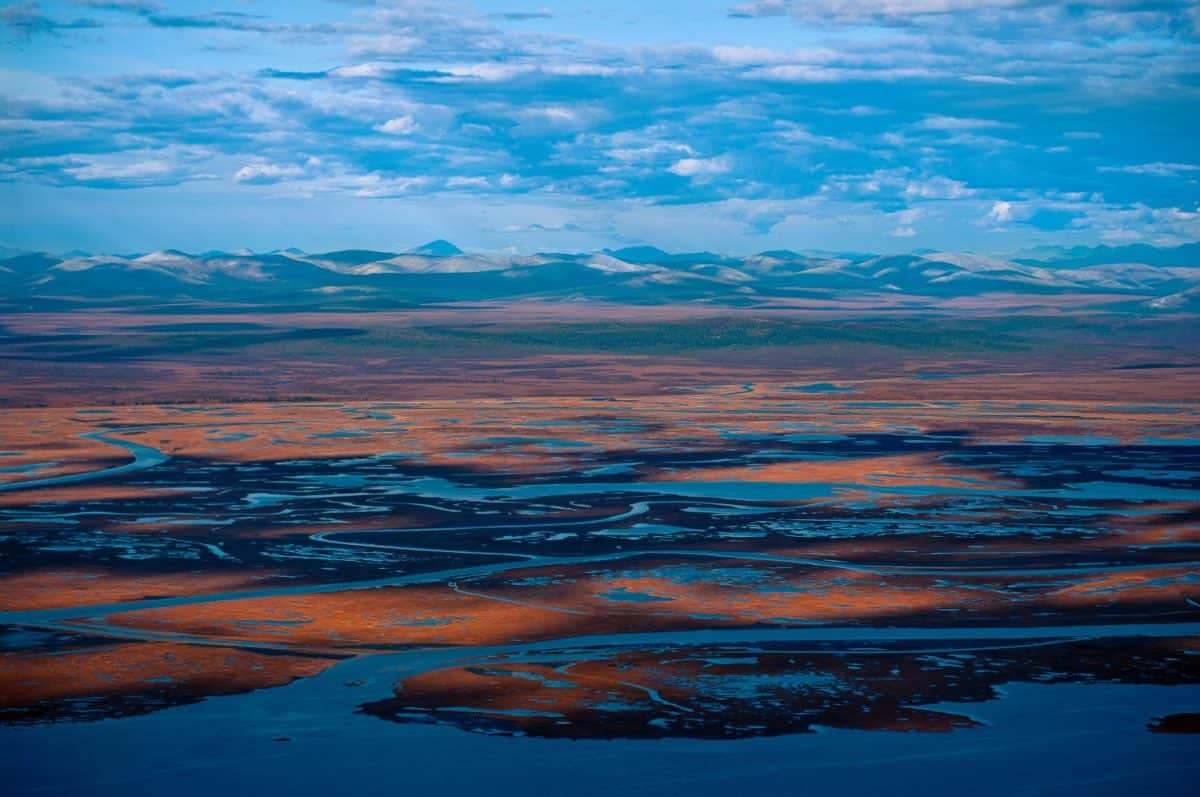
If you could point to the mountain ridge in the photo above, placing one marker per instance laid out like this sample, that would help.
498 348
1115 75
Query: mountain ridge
1162 280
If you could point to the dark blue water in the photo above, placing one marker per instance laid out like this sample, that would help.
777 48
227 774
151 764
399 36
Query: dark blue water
1065 739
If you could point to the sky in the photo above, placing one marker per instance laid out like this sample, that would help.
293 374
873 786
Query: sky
887 126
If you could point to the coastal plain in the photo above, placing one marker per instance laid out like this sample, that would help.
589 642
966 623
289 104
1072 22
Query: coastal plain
705 537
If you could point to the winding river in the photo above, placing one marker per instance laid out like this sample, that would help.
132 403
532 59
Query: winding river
92 618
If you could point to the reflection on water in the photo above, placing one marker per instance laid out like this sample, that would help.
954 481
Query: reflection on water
746 691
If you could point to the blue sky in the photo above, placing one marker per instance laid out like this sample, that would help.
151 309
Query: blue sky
989 125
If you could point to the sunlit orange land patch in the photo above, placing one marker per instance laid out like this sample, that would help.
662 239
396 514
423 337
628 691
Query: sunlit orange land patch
651 695
84 493
48 452
84 586
366 618
476 433
804 595
147 673
894 471
1160 585
495 613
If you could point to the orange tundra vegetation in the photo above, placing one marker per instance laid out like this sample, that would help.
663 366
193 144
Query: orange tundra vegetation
641 695
1127 588
581 601
83 493
490 613
884 471
458 433
87 586
131 669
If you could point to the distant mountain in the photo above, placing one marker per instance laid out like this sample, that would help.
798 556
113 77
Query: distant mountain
440 272
438 248
353 257
33 263
1082 256
7 252
639 254
652 254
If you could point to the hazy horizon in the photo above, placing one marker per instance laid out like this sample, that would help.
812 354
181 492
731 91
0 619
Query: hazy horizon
1031 251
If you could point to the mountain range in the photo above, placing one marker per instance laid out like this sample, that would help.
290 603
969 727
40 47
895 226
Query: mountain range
1138 278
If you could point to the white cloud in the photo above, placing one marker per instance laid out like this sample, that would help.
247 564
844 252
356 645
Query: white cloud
467 182
738 54
907 12
637 149
904 221
385 45
996 80
700 167
1001 213
400 126
491 72
266 173
937 188
368 70
588 117
761 8
800 73
1156 169
800 134
958 123
585 70
557 114
372 184
538 119
855 110
132 168
137 171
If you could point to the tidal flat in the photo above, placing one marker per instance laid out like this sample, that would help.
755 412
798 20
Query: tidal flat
782 578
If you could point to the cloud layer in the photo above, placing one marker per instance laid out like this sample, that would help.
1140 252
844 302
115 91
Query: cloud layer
988 125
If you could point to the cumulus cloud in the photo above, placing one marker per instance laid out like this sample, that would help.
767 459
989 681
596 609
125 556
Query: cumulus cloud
554 114
390 44
700 167
353 71
905 221
1001 213
399 126
937 188
468 182
266 173
884 108
125 169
